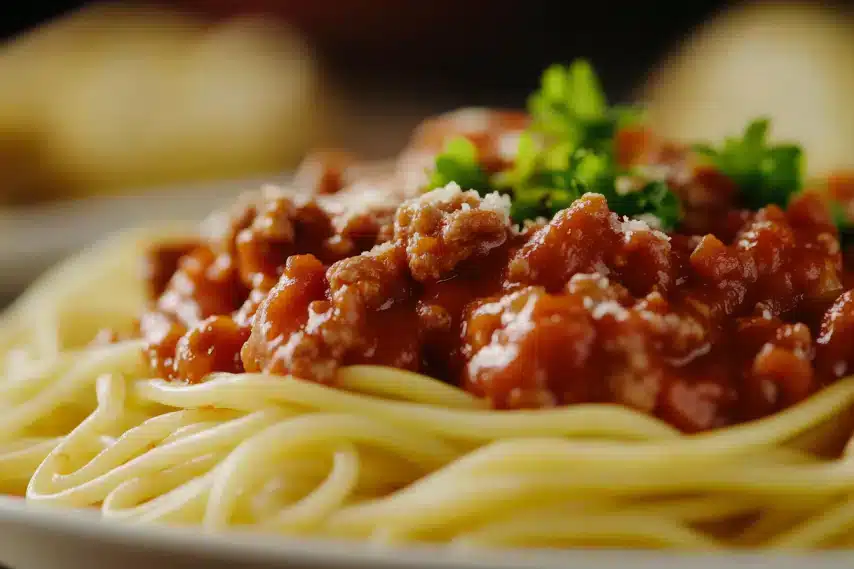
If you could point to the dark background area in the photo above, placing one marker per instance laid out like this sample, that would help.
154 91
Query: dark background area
472 52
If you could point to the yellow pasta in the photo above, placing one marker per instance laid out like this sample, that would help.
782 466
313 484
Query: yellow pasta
388 456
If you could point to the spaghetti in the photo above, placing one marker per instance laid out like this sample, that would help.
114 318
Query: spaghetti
384 365
402 460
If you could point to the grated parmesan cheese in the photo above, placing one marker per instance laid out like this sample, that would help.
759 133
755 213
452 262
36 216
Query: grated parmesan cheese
629 226
650 219
610 308
499 203
443 194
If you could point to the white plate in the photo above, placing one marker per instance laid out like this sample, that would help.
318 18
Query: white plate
38 538
31 537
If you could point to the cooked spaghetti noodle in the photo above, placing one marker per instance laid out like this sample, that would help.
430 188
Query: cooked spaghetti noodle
393 456
421 370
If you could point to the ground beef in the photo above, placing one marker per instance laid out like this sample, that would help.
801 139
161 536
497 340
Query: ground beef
734 316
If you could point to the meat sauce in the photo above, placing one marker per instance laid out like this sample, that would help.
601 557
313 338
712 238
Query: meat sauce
735 316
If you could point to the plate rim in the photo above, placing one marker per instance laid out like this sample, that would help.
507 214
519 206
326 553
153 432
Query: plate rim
320 552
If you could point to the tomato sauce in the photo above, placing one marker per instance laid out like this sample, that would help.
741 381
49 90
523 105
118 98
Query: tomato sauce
734 316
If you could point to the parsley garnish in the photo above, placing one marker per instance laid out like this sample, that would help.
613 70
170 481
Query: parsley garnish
597 172
568 150
843 223
458 163
765 173
543 191
542 188
654 198
571 106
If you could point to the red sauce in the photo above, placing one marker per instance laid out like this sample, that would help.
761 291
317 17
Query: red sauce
735 316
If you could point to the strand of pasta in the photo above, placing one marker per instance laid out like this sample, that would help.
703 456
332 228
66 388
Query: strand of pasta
251 391
579 420
92 481
80 376
386 455
19 460
311 510
523 453
526 451
817 529
568 530
239 469
386 382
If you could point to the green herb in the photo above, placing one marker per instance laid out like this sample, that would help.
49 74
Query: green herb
544 191
458 163
531 204
594 171
571 106
569 150
655 198
528 159
843 223
597 172
765 173
546 182
839 215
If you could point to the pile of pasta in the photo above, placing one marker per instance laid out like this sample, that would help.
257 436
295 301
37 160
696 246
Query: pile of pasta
386 456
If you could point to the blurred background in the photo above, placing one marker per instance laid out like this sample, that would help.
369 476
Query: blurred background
109 110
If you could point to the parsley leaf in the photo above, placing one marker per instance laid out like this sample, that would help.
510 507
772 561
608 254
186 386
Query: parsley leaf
458 163
654 198
546 191
843 223
547 182
593 171
572 115
528 159
597 172
765 173
567 151
570 105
